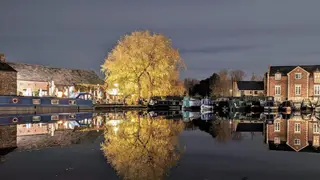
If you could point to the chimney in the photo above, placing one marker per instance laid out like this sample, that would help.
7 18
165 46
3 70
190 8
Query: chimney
2 58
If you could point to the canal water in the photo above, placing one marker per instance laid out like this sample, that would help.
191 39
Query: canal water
155 145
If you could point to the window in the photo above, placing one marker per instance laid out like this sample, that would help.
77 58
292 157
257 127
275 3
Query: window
297 142
277 127
255 92
276 140
297 88
316 77
317 90
297 128
278 76
316 128
298 75
277 90
250 92
316 140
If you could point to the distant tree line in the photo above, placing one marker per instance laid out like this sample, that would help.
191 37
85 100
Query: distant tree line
218 84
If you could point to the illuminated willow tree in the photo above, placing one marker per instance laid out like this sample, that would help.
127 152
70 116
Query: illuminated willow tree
144 64
141 148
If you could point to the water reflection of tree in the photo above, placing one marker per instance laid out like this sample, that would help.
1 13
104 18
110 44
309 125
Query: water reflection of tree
141 147
223 130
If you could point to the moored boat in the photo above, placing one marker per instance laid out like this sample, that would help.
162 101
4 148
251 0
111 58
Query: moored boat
207 104
270 105
191 103
222 105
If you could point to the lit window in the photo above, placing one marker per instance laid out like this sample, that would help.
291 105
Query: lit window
278 76
297 89
297 142
317 90
298 75
277 127
276 140
277 90
316 128
297 128
316 77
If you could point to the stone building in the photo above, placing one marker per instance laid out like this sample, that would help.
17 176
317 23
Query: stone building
293 82
33 79
248 88
8 78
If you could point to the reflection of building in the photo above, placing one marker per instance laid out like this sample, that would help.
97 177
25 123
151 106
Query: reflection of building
248 88
8 78
295 134
293 82
35 79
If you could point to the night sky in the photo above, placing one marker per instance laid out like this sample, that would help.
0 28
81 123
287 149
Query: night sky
210 34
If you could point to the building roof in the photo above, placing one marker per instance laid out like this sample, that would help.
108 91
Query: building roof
60 76
6 67
284 70
250 85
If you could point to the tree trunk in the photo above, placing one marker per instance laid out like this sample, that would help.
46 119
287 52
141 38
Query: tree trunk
150 85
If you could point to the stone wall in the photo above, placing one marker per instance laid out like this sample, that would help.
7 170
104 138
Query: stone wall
8 83
8 136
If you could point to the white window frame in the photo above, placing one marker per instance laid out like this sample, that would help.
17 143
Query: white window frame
297 142
276 140
298 75
297 128
275 90
316 90
315 128
277 76
277 127
297 86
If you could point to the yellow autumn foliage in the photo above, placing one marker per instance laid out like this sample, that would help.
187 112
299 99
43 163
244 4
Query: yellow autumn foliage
144 64
141 147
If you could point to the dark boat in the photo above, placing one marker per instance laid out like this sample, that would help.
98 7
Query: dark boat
256 106
173 115
317 106
222 105
270 105
307 106
286 107
167 104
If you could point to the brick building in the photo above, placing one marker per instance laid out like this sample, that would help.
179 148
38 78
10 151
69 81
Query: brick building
8 78
293 82
293 134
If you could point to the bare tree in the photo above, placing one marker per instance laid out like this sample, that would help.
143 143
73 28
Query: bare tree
189 83
256 77
237 75
224 84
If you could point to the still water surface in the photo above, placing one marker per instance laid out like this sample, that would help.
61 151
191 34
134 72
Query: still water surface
159 145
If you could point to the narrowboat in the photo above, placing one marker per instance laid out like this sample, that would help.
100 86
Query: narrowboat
222 105
31 104
191 103
175 115
166 104
256 106
307 106
207 104
270 105
287 107
238 105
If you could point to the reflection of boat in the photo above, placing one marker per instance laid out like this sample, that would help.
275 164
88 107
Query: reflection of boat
189 116
256 106
317 106
207 104
166 114
306 105
270 105
209 115
287 107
